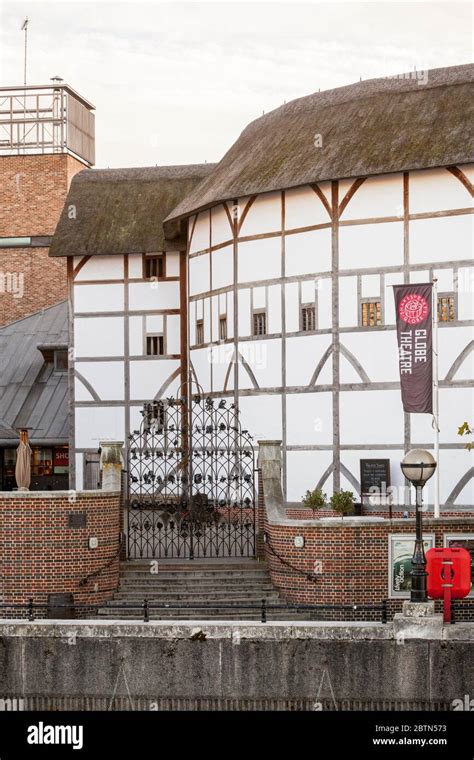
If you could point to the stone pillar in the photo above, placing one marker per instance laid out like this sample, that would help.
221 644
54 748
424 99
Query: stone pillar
111 464
270 465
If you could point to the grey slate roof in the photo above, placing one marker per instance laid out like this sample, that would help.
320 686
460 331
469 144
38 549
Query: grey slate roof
31 394
373 127
122 210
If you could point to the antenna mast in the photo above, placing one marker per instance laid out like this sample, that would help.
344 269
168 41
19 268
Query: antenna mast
24 28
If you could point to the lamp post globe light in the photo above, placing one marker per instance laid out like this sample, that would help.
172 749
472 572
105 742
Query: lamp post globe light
418 466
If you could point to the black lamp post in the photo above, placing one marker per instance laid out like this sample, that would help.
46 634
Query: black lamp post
418 466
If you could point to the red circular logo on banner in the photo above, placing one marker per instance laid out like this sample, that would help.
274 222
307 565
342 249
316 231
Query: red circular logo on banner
413 309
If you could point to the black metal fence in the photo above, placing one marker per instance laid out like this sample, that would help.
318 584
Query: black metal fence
149 609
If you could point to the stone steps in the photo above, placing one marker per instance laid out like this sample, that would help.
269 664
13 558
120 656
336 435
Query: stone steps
223 587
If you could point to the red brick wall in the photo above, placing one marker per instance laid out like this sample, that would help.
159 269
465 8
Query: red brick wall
40 554
354 558
32 194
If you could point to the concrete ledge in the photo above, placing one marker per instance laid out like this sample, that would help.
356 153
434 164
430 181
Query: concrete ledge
55 494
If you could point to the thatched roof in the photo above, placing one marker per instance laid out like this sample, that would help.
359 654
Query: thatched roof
372 127
111 211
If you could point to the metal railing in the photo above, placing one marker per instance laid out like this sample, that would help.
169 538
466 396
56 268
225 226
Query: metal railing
147 607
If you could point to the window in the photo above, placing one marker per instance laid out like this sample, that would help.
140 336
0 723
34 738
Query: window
222 328
308 318
155 345
371 314
259 323
446 308
60 361
199 332
154 266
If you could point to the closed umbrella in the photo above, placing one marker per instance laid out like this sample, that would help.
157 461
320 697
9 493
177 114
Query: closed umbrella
23 463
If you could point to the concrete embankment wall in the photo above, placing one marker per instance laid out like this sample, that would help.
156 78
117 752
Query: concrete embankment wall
94 665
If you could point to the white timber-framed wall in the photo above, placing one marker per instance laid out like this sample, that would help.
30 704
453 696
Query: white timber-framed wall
332 395
113 307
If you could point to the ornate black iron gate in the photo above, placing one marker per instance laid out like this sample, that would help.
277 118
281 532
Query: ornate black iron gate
191 489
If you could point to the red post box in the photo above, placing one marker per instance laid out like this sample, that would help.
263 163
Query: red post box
449 576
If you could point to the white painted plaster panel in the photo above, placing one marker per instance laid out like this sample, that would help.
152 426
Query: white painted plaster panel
348 304
370 285
377 353
200 239
98 336
147 376
153 295
136 336
199 274
274 309
259 297
102 268
244 312
292 307
104 297
79 472
304 469
309 419
452 341
453 466
135 266
172 264
259 259
98 423
445 279
263 216
173 338
468 170
154 323
106 378
324 303
80 391
420 275
370 417
442 239
200 358
221 357
264 357
302 357
261 416
221 229
436 190
207 320
303 208
308 291
376 197
347 372
371 245
395 278
308 252
222 267
466 293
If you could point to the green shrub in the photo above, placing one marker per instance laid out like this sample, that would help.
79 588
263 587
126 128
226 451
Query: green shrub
342 502
315 499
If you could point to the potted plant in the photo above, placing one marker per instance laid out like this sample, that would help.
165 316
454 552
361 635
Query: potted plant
314 499
342 502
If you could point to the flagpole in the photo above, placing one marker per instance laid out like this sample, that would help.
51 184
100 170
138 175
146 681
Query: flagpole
434 311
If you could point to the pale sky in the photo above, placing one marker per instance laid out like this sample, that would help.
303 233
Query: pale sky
177 82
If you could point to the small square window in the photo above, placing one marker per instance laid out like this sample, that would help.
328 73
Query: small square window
222 328
371 314
199 332
60 361
446 308
259 323
154 266
308 318
155 345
